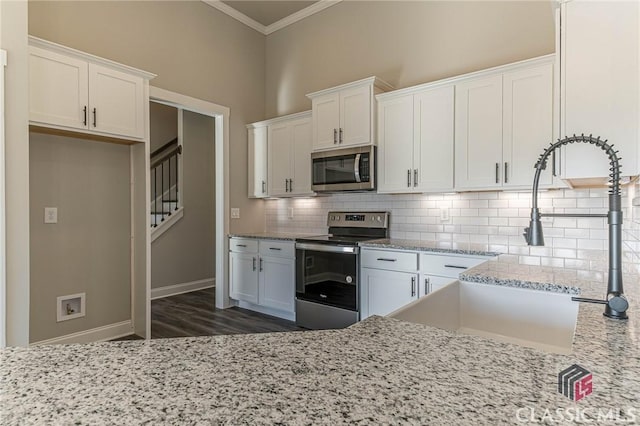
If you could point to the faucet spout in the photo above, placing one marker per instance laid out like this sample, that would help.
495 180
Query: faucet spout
616 303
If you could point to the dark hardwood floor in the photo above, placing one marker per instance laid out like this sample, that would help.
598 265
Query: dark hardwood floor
195 314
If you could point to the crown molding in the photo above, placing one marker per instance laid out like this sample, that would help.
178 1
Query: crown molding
278 25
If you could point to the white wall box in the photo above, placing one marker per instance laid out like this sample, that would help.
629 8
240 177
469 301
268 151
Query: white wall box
503 122
415 139
599 67
70 307
345 115
73 91
262 273
257 160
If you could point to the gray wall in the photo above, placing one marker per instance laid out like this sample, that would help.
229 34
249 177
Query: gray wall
195 49
163 124
186 252
403 42
88 250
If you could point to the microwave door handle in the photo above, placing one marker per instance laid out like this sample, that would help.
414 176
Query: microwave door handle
356 168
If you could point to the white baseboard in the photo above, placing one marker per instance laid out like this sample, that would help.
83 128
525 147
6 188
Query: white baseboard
291 316
98 334
172 290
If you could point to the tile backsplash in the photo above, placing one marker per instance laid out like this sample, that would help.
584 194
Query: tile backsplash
494 220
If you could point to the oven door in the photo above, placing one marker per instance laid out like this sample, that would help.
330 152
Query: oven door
349 169
328 275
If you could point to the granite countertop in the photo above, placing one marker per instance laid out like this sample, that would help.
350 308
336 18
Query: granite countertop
285 236
431 246
378 371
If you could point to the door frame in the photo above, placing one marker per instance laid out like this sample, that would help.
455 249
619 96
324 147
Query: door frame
221 140
3 262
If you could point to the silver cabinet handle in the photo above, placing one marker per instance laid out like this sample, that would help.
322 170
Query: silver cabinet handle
340 140
455 266
415 177
506 172
335 136
427 286
94 118
497 172
290 185
286 185
254 263
84 110
408 178
260 264
275 248
264 187
413 286
386 259
241 245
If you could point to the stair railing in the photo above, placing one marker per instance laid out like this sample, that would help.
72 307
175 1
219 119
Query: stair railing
164 162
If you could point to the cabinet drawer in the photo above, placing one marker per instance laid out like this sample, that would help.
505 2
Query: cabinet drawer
448 266
277 248
390 260
243 245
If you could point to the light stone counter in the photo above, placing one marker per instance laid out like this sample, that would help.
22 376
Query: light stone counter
379 371
431 246
285 236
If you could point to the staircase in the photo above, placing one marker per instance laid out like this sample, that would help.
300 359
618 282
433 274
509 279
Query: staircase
165 202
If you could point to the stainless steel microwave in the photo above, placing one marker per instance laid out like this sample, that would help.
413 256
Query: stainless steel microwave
345 169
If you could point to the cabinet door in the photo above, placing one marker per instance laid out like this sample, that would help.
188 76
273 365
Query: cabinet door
382 292
478 133
395 145
257 162
243 276
116 102
433 139
355 116
277 283
326 121
600 84
58 89
527 124
279 159
301 156
431 283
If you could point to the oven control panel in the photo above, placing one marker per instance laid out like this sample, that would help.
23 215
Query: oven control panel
360 220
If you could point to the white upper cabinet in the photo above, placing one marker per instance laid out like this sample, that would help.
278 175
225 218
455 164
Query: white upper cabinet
503 122
289 156
599 68
345 115
257 160
71 90
415 146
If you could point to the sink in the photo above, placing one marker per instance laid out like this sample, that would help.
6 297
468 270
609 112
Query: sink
536 319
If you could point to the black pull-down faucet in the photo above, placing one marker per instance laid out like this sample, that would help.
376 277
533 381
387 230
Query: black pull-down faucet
616 303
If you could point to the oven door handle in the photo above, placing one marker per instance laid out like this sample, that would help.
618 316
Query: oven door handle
327 248
356 168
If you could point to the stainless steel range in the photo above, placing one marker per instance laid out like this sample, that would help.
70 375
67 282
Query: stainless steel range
327 269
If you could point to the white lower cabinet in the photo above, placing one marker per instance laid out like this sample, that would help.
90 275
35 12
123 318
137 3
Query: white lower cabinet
382 292
263 274
391 279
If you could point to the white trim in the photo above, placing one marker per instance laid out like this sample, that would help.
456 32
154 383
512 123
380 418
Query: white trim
300 15
3 263
290 316
98 334
263 123
172 290
168 223
377 82
221 114
55 47
278 25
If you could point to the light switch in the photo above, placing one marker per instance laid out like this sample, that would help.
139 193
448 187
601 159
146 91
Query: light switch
235 213
444 214
50 215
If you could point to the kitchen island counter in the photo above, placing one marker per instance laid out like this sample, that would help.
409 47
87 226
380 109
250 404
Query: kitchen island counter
285 236
440 247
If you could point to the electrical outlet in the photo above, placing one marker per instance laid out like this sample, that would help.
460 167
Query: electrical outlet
235 213
50 215
290 213
444 214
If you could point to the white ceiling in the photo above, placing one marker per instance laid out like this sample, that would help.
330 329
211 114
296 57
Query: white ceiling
267 12
267 16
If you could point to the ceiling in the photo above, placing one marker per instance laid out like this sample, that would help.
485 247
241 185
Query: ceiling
267 12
